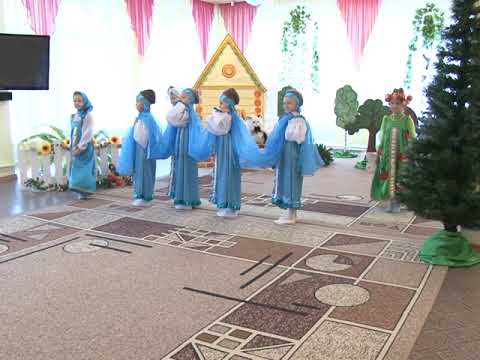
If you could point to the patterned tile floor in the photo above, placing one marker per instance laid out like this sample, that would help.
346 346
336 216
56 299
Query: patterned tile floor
322 289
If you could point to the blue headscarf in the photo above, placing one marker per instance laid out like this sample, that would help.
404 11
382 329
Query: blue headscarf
296 97
126 162
193 99
146 103
229 102
87 105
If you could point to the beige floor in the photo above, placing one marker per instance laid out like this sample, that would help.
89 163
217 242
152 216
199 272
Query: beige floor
344 283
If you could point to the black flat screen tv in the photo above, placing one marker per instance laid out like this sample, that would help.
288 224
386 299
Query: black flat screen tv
24 62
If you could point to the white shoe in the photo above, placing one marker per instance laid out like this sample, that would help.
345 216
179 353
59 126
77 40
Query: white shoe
284 220
139 202
182 207
229 213
221 213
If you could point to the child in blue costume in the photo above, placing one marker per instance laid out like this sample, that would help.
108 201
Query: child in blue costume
183 187
83 171
291 151
298 157
226 193
136 158
229 139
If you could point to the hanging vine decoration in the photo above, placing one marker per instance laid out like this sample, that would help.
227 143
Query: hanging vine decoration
293 33
315 68
428 24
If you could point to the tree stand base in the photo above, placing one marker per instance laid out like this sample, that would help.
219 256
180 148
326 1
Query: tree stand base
449 249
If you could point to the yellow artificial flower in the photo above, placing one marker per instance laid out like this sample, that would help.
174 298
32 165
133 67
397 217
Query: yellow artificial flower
115 140
46 148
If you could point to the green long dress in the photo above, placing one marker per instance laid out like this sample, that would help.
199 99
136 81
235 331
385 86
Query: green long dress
397 131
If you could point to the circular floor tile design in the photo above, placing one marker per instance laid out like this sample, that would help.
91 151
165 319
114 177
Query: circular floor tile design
3 248
329 262
350 197
342 295
84 246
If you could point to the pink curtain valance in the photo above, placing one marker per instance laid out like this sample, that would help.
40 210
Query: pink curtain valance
238 21
203 14
359 17
141 13
41 15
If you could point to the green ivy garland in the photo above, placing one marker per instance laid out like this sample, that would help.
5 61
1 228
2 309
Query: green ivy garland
428 24
315 68
291 36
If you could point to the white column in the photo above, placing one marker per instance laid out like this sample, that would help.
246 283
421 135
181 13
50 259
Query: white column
46 169
104 161
35 164
58 162
115 154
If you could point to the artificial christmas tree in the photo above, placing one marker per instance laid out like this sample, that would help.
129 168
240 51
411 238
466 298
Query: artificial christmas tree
441 179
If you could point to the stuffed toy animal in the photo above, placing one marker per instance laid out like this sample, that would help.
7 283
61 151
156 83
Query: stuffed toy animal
254 124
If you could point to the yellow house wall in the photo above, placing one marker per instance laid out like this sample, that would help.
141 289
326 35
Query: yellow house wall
215 82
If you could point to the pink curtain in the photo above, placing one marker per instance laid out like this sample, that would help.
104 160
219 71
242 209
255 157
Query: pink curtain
238 21
141 12
41 15
203 14
359 16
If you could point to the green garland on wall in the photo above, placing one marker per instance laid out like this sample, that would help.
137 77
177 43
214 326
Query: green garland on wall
428 24
294 43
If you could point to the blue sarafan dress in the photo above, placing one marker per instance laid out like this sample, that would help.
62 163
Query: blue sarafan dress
83 171
288 182
226 192
183 186
228 138
136 158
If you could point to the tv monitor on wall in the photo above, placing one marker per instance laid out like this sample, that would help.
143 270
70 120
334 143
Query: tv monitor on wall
24 62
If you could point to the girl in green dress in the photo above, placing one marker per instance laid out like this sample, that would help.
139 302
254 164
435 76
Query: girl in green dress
397 130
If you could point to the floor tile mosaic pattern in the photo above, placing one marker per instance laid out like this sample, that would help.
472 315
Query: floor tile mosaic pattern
330 294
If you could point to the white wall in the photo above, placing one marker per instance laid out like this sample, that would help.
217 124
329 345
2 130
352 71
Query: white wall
93 49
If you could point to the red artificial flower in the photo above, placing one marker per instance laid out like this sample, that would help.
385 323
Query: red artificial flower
384 175
403 157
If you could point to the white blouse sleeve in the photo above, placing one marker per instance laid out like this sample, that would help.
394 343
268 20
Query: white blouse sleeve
296 130
178 115
219 123
140 133
87 132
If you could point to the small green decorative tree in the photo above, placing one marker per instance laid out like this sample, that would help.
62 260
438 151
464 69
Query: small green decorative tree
346 110
369 117
441 179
